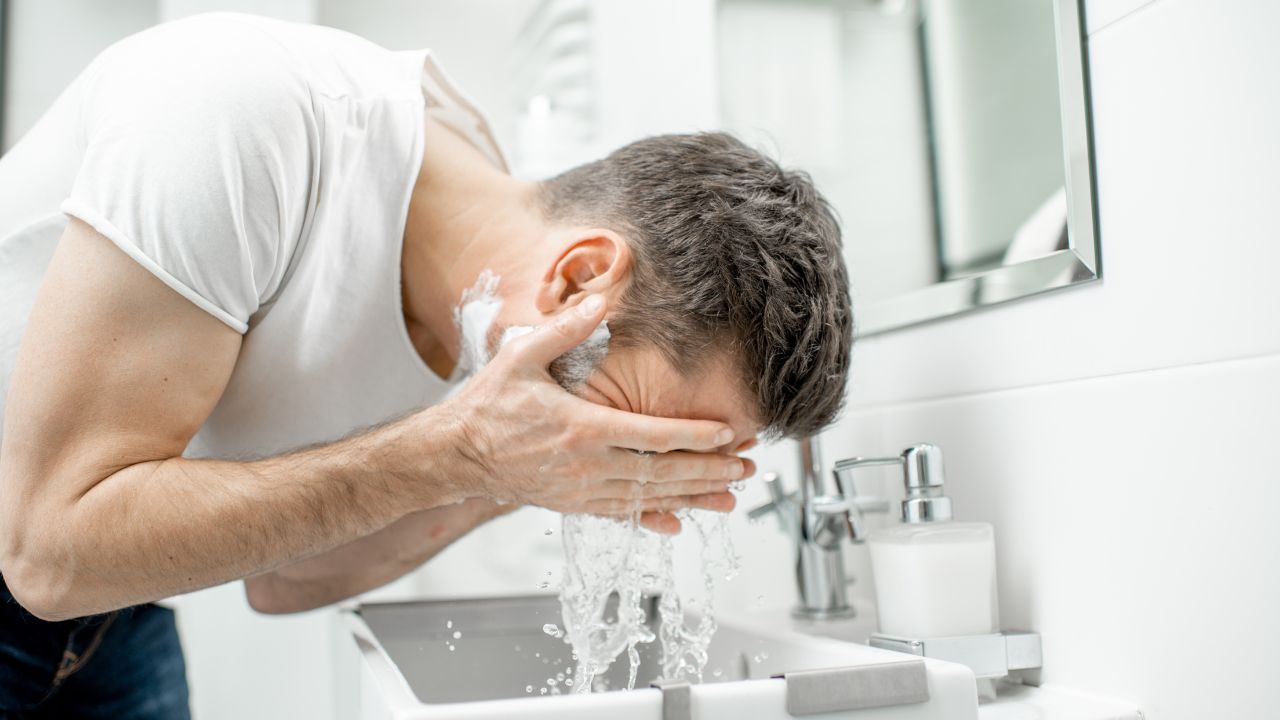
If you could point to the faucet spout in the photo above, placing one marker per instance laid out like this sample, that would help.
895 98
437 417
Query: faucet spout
812 480
819 519
827 521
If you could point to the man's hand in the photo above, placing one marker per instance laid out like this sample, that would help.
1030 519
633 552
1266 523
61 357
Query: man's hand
526 440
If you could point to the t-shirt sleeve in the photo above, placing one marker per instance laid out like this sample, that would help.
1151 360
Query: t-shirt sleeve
200 142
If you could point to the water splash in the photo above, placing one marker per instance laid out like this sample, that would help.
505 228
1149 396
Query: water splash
609 561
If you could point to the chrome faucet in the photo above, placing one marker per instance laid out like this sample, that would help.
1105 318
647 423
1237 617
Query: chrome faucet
827 513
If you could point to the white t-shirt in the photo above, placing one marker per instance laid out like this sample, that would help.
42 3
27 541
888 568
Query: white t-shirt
263 170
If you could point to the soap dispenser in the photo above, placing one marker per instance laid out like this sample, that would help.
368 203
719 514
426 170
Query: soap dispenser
934 577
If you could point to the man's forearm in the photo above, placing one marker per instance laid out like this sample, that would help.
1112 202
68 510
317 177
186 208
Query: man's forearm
367 563
155 529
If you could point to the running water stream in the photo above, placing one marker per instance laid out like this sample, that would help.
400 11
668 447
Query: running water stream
605 557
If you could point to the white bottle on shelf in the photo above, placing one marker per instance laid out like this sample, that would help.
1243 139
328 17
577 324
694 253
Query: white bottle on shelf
934 577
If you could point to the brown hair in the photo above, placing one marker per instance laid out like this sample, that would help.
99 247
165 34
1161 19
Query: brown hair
734 255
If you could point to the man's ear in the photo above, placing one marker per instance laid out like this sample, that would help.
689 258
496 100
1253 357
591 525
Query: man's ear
590 261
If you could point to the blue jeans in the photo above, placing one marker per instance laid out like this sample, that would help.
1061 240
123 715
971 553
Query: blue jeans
125 665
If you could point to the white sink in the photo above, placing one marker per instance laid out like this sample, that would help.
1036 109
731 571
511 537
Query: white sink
414 667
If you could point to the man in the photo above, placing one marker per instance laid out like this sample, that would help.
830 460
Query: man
239 359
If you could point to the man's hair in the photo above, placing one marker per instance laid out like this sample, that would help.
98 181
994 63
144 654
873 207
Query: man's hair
733 255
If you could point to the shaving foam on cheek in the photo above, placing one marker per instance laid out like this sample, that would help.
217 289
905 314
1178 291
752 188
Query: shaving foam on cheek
474 316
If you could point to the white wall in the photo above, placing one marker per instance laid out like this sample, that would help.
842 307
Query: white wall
50 42
291 10
1122 435
470 38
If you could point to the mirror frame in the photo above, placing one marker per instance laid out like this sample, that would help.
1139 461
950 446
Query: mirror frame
1080 263
4 52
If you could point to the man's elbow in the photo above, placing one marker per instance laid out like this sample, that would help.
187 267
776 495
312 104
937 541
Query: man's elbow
268 594
38 583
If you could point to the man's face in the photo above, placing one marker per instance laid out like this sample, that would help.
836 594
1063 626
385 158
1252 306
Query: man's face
640 380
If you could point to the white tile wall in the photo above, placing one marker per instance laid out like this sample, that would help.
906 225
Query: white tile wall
1122 436
1134 525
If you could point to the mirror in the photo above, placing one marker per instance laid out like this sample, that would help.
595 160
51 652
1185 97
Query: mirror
951 136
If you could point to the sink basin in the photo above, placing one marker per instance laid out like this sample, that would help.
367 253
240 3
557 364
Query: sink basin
490 658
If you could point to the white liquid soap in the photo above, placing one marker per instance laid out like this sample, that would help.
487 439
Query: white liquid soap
934 577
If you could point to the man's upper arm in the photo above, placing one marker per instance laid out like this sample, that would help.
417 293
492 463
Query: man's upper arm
115 368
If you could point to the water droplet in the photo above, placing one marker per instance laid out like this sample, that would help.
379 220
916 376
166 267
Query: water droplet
717 672
528 688
448 623
452 648
548 573
552 630
548 531
457 634
544 585
551 681
738 485
544 691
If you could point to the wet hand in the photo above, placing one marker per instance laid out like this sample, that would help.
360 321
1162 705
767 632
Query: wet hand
523 439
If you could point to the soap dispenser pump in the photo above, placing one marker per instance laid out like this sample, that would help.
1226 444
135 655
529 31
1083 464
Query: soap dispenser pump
934 577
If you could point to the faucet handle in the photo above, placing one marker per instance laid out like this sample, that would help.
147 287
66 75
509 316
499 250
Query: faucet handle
778 498
781 503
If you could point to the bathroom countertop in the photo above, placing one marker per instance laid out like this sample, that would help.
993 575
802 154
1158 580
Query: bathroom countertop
1023 702
1013 702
